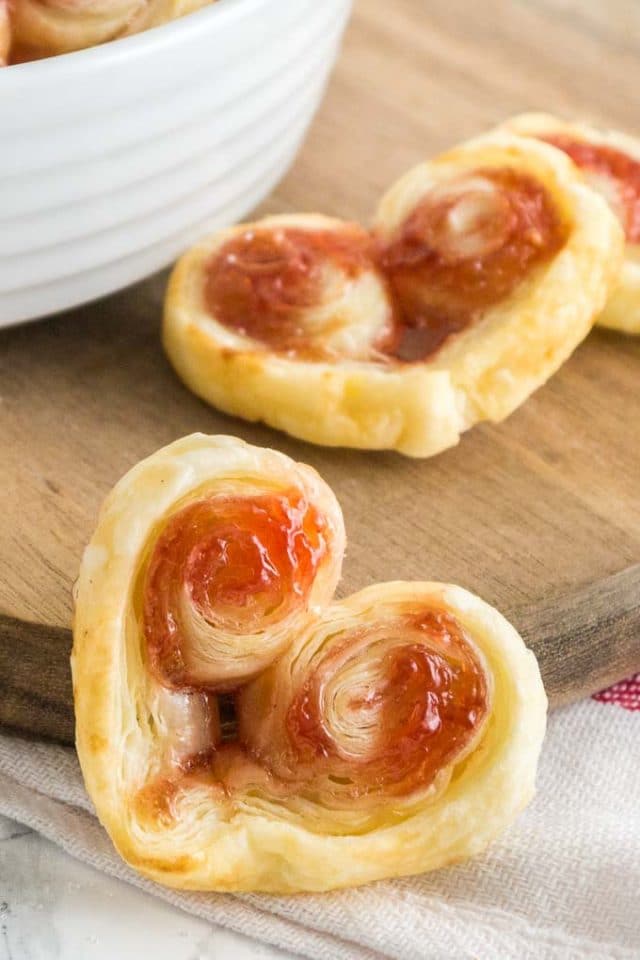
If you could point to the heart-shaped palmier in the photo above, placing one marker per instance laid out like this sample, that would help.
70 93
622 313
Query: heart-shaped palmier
484 270
240 730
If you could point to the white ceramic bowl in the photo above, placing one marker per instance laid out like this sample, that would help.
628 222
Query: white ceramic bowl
114 159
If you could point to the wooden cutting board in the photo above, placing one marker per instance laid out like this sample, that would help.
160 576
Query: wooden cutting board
543 506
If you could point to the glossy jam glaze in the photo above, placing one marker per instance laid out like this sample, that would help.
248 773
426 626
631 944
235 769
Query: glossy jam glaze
607 163
238 564
388 707
381 712
261 282
463 249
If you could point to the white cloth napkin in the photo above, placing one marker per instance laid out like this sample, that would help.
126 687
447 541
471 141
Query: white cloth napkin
563 883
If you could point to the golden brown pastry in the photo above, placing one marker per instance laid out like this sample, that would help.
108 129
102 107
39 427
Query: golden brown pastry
484 270
5 33
45 28
610 163
238 730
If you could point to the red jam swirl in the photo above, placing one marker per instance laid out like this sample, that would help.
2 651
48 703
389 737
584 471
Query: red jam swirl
464 250
240 564
260 283
381 712
426 705
621 169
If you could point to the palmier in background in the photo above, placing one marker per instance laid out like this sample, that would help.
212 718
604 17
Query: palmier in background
610 163
484 270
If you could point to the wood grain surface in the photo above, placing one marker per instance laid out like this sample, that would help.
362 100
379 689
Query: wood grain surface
583 639
542 506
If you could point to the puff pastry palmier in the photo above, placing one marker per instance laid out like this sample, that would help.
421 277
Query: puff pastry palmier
484 270
45 28
389 733
610 163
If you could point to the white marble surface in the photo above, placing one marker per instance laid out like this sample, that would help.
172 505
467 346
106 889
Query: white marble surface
54 908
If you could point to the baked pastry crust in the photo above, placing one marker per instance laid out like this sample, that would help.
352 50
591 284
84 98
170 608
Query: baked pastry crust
622 310
183 830
5 32
46 28
359 399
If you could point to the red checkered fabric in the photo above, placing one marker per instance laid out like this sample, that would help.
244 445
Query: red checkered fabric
625 694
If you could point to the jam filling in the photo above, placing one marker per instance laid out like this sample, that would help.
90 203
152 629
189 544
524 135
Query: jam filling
238 564
383 711
465 248
398 724
261 282
623 172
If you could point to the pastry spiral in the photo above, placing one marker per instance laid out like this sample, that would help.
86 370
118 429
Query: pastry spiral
239 730
45 28
483 271
610 163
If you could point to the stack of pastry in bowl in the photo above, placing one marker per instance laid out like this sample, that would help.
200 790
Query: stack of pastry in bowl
33 29
482 271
